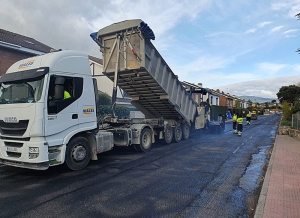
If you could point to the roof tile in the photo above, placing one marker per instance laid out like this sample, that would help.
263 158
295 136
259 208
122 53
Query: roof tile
24 41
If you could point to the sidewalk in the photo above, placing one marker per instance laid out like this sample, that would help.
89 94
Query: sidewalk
280 194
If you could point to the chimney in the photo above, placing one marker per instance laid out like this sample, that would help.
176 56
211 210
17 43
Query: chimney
200 84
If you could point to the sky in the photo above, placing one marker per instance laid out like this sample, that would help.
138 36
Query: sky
240 47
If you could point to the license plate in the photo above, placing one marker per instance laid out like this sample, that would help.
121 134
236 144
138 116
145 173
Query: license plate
11 149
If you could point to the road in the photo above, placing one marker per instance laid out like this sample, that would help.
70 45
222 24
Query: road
208 175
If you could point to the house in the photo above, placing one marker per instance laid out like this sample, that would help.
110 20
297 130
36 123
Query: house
105 84
198 93
213 97
225 99
229 101
15 47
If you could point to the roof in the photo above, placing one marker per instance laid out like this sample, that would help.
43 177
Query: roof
195 88
97 60
15 41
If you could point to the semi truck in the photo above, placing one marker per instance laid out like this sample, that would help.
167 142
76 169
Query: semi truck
40 127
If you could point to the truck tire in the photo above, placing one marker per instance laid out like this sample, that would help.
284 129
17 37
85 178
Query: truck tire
145 141
185 131
168 134
177 134
78 153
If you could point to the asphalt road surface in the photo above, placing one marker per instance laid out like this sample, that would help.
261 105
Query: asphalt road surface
208 175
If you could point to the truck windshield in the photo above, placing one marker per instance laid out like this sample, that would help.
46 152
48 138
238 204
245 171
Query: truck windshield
23 91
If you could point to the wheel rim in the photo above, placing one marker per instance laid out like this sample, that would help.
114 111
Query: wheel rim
146 140
168 134
178 133
78 153
186 131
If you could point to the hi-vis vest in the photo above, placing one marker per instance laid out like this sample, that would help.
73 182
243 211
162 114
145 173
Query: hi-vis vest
240 120
248 115
234 118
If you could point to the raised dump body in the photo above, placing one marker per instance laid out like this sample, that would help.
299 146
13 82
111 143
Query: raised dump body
142 72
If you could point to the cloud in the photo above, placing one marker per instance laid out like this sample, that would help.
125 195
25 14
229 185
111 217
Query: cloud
201 69
253 30
291 7
276 28
262 24
270 68
267 87
296 68
291 31
68 24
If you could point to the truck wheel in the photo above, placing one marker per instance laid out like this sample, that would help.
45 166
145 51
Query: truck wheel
145 141
185 131
177 134
168 134
78 153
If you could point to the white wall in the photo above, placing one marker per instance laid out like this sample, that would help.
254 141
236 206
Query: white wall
214 99
104 84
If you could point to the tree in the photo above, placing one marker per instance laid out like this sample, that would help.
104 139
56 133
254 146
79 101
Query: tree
287 112
273 101
237 104
289 93
296 107
267 105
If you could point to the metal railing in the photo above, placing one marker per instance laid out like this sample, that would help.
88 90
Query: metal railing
296 121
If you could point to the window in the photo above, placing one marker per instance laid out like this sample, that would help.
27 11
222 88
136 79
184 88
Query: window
22 91
73 85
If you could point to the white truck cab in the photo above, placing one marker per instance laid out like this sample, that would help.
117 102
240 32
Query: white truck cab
37 121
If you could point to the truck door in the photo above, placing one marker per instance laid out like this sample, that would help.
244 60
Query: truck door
62 105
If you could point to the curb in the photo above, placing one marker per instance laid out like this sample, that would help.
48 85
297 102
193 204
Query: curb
259 211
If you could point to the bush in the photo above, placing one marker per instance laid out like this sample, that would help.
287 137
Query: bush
105 106
286 123
104 99
105 109
120 111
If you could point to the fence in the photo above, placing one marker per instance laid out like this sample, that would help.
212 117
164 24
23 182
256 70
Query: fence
296 121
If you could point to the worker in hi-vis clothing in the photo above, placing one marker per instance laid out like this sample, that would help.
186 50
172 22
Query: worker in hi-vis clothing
66 94
248 118
234 117
240 121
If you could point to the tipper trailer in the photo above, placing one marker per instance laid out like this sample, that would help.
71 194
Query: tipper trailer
40 128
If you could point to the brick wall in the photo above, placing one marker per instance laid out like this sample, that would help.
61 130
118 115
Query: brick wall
223 101
9 56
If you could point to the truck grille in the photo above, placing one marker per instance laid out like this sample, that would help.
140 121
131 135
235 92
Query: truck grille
13 129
